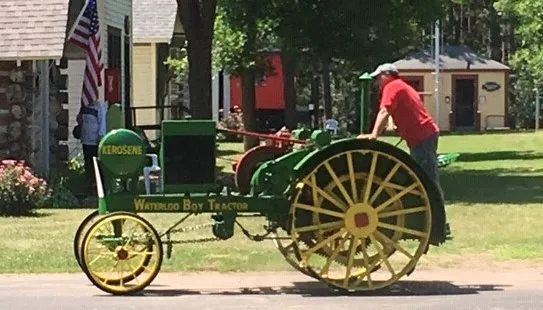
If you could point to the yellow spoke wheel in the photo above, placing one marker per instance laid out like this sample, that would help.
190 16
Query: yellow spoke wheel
361 219
121 246
112 279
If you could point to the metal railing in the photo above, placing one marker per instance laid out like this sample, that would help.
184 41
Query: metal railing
165 112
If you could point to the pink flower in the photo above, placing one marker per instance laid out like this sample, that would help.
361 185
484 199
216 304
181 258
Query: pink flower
9 162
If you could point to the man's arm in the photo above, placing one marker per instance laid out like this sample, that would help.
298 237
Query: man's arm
380 122
388 102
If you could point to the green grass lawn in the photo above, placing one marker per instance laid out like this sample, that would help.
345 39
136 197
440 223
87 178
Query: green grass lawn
494 199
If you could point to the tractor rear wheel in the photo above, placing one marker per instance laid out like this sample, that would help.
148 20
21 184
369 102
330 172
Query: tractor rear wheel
361 218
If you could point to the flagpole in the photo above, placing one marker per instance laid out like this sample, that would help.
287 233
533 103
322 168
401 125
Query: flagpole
436 77
77 19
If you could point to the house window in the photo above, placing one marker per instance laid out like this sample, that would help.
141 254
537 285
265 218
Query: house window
113 47
417 82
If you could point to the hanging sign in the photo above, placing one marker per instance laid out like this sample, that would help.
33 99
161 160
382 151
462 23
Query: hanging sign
491 86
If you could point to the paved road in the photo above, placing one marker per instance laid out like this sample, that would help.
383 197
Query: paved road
443 289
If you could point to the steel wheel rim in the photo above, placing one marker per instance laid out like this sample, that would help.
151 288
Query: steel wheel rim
287 249
131 263
351 235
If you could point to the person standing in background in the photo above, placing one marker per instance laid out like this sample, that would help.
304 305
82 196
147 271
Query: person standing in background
92 120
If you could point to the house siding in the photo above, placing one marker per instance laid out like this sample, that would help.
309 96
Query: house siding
144 78
75 71
114 14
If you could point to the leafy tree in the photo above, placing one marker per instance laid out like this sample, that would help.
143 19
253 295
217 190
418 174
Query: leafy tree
342 37
527 60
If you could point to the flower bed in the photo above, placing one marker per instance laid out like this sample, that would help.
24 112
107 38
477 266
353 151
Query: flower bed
21 191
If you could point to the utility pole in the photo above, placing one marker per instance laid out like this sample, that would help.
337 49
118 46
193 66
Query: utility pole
436 76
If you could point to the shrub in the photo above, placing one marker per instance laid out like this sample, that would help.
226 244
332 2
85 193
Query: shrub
66 182
20 190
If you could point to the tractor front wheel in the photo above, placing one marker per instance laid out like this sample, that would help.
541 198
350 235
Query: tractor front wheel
118 248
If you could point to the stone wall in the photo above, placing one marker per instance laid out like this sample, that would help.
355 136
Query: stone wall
30 98
16 109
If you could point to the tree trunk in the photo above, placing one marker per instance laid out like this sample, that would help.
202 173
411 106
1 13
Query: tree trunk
198 19
326 88
289 90
455 23
315 100
248 106
495 33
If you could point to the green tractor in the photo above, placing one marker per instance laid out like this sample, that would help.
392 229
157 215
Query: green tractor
355 214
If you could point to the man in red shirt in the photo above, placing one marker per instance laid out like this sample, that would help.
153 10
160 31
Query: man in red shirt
414 123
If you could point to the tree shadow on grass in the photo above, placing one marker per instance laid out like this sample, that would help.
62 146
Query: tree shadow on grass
506 186
317 289
220 152
502 155
36 214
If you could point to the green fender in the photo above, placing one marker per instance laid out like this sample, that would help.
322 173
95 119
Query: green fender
439 229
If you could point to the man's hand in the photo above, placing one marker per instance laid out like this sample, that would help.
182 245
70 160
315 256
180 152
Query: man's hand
367 136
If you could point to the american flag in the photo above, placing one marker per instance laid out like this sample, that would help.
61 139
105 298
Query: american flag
86 33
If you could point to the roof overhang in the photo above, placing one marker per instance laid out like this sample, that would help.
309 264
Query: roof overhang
451 70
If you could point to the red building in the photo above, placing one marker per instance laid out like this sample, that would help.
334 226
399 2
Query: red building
270 103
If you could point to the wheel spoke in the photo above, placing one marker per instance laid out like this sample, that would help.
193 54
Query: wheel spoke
106 280
342 189
94 260
319 210
321 244
330 225
371 173
402 229
136 253
352 176
332 257
398 196
382 185
327 196
352 251
403 211
382 255
398 247
369 267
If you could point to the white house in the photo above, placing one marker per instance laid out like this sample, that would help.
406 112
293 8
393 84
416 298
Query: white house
115 32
